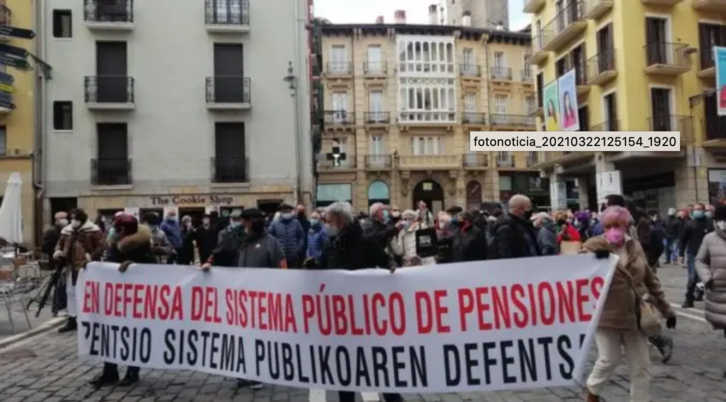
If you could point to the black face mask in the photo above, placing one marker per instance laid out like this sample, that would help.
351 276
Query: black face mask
258 227
562 221
527 215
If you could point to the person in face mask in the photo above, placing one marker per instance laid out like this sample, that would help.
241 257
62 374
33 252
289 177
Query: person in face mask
160 246
673 227
205 237
693 234
80 243
378 226
618 326
316 238
514 235
173 231
290 233
53 234
229 241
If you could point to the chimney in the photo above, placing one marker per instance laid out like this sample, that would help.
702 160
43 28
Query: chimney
433 17
399 17
380 20
466 19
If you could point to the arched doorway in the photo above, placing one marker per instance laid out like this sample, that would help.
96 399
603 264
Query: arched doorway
378 192
473 195
430 192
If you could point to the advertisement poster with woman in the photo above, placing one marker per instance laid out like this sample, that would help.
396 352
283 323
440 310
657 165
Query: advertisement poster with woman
568 102
719 54
552 107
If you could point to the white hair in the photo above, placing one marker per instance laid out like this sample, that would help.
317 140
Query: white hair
409 213
541 216
119 213
444 216
373 210
342 210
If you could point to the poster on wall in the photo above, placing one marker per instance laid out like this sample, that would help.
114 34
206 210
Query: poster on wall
568 102
719 55
552 107
132 211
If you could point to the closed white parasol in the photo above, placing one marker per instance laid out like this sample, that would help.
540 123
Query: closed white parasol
11 217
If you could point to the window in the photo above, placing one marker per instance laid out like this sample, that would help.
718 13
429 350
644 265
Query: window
3 141
710 35
62 27
338 59
112 166
611 112
583 115
427 146
529 105
63 115
377 145
375 59
499 60
562 66
500 104
230 156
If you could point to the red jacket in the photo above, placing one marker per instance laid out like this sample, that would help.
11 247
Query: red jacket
568 233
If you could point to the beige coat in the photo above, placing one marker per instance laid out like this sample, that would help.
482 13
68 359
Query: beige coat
619 310
711 266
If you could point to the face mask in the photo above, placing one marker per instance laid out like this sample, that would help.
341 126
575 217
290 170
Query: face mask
111 233
561 221
153 227
721 225
454 224
171 218
234 224
615 236
406 224
698 215
708 214
63 222
258 227
386 216
205 223
527 215
314 222
331 230
654 217
671 212
286 216
76 224
442 225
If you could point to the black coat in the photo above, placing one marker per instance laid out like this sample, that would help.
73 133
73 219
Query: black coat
509 238
228 246
186 254
135 248
50 240
206 241
693 234
469 244
673 227
351 250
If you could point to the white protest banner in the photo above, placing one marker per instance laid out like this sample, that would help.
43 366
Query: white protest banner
509 324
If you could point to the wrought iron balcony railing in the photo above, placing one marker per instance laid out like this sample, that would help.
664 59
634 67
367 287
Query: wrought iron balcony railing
670 122
108 11
503 119
230 170
229 89
227 12
600 63
501 73
473 118
505 160
5 15
111 172
339 68
667 53
379 161
475 159
338 117
109 89
377 117
375 68
470 70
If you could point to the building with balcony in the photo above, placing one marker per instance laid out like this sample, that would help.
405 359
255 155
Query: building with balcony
644 65
207 117
396 105
17 114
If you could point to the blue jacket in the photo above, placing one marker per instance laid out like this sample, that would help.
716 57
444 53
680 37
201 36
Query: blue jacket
597 230
316 239
291 236
172 230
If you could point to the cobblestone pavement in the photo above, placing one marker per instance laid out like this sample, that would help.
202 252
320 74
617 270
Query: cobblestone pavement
45 369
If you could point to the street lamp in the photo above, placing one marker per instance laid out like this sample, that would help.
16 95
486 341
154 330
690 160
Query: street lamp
291 80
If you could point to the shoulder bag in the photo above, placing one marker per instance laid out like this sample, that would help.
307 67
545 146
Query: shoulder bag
646 315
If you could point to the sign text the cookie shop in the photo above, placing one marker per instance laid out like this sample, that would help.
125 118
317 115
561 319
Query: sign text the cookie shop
199 200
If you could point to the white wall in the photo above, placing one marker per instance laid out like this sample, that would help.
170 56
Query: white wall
171 132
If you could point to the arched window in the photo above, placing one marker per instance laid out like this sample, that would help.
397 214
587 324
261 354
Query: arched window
378 192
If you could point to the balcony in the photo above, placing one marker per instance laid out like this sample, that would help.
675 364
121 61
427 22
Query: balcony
375 69
707 64
661 3
505 160
526 75
539 55
501 73
327 163
714 128
713 6
341 69
229 93
109 93
475 160
429 162
228 170
426 117
503 121
376 118
682 124
606 126
102 15
566 26
379 162
338 118
601 68
470 71
664 58
596 9
5 20
583 87
533 158
227 16
533 6
111 172
473 119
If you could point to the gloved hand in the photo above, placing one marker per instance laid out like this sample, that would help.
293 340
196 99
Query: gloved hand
709 284
671 322
124 266
602 254
205 267
392 269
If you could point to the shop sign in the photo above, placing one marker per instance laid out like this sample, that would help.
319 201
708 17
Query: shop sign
197 200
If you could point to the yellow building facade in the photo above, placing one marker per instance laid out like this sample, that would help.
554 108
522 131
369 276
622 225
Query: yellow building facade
17 125
641 65
399 104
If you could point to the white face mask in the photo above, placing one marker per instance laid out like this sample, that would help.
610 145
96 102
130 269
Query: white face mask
76 224
721 225
63 222
442 225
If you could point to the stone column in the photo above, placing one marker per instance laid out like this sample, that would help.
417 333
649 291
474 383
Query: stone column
558 192
583 183
608 180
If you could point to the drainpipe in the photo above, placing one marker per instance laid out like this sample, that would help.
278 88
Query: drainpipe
38 155
296 100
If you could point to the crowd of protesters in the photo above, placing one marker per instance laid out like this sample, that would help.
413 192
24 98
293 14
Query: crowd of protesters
336 237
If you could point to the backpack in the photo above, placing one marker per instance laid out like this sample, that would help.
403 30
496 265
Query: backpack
657 238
